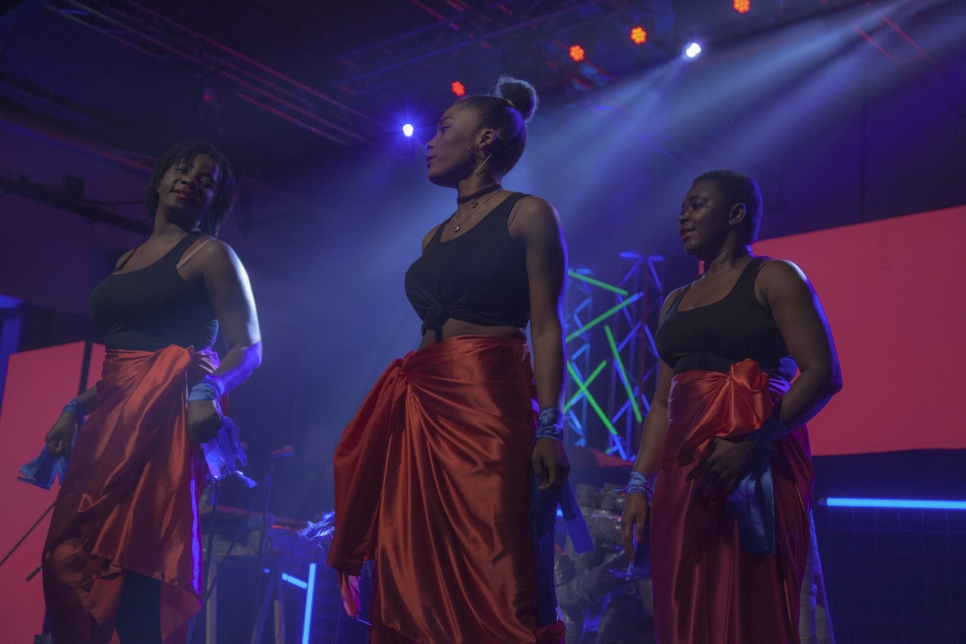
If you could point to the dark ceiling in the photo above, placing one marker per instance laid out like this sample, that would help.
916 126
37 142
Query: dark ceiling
276 83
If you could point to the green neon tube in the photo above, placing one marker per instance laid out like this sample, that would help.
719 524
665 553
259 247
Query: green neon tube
603 316
590 280
624 378
590 399
573 400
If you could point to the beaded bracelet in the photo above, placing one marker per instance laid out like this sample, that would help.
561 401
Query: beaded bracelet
641 485
551 424
76 407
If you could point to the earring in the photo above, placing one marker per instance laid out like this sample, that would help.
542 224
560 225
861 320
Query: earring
482 164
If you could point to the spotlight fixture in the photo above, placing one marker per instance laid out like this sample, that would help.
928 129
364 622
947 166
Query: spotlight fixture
691 51
742 6
458 88
639 36
577 53
408 129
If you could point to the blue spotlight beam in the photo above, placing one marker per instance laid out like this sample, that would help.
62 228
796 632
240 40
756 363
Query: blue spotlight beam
902 504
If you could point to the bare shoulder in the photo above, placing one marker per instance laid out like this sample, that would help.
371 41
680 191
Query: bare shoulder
215 254
535 211
533 219
781 273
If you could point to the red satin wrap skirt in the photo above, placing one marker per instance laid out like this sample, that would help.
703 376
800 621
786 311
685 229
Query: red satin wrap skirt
433 483
707 590
129 501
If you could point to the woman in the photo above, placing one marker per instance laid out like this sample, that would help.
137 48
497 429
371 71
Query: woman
434 474
729 523
124 544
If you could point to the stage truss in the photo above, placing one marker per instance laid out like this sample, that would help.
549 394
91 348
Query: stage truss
612 364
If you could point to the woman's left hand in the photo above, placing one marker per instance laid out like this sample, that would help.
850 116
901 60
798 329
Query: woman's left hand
719 474
550 463
204 421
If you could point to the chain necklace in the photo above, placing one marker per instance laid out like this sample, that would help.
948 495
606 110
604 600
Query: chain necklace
476 195
457 226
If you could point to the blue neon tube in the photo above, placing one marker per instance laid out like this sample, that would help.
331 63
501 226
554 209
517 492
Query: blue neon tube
295 581
309 600
910 504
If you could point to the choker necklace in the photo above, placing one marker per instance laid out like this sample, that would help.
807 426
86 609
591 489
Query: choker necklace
476 195
474 206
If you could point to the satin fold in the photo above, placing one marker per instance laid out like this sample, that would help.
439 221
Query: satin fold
433 482
715 591
129 500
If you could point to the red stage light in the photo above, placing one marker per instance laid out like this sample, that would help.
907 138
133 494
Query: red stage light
458 88
577 53
638 35
742 6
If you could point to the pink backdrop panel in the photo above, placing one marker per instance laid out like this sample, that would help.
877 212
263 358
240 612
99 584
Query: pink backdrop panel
894 297
39 383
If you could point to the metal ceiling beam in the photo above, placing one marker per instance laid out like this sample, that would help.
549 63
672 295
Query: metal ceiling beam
369 67
94 213
155 35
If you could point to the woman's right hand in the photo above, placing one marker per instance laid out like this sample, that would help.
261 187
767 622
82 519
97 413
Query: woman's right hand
633 520
60 438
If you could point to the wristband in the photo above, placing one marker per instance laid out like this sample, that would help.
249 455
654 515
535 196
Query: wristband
76 407
551 424
208 388
641 485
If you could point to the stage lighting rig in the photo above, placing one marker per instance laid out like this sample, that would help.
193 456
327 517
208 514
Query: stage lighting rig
690 51
408 130
742 6
458 88
577 53
638 35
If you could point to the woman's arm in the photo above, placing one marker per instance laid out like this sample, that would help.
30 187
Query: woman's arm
804 327
536 223
653 434
60 438
230 293
799 316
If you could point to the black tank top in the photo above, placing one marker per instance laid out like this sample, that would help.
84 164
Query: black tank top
154 307
733 329
479 277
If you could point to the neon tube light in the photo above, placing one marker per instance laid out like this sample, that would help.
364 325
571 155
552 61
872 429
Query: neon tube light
910 504
603 316
591 280
309 600
580 392
295 581
623 374
593 403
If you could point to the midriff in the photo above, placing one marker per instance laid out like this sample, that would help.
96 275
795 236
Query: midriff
453 328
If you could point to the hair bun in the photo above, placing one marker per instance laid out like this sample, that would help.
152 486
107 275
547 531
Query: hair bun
520 94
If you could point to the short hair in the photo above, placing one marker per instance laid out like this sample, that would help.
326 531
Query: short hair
738 187
507 110
186 151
